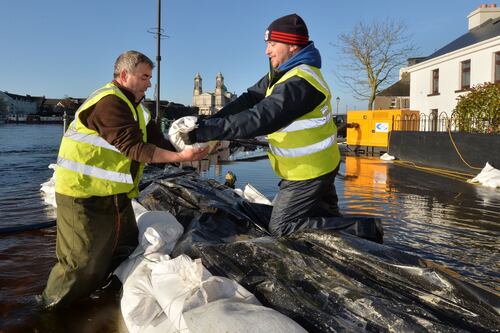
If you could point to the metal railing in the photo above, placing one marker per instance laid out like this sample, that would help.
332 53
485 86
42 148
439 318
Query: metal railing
441 123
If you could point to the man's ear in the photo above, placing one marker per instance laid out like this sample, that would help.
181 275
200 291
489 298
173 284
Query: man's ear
123 76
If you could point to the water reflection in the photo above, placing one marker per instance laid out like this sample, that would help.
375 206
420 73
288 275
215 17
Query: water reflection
443 219
364 189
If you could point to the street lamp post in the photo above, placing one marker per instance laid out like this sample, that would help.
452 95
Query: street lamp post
338 100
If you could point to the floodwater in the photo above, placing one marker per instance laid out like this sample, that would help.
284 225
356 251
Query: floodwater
437 218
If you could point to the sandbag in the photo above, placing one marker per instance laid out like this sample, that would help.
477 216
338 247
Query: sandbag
48 188
158 234
489 176
172 281
239 317
185 125
138 305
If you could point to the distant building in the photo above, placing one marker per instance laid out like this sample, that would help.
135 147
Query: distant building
18 104
473 58
209 103
396 96
170 110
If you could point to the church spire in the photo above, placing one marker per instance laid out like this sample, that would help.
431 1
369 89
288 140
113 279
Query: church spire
197 85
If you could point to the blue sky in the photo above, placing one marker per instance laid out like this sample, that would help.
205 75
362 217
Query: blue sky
57 48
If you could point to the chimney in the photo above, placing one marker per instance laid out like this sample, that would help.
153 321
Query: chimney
483 14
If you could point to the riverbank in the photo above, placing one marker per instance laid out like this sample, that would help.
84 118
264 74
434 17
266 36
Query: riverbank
34 119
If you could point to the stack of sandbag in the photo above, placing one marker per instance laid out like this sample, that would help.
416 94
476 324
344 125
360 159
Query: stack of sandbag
164 294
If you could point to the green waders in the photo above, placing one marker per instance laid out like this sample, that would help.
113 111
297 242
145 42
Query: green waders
94 235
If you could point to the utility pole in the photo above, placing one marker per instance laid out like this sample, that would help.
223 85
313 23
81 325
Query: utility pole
158 60
158 31
338 100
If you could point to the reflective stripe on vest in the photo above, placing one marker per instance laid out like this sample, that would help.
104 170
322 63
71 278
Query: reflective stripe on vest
298 125
90 139
302 151
88 165
307 148
95 171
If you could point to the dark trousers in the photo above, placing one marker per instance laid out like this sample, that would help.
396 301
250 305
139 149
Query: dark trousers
94 235
299 201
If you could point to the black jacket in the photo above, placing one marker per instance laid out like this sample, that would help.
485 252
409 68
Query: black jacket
252 114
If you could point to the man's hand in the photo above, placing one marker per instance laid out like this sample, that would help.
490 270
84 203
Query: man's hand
166 156
193 154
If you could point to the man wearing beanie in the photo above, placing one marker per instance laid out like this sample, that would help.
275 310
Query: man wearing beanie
291 105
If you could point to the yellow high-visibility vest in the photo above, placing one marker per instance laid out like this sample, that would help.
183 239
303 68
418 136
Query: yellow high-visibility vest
87 165
307 148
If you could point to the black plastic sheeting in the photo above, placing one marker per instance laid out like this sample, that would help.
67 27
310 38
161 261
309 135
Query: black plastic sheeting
326 280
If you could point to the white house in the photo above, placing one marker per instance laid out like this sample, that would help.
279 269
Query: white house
471 59
18 104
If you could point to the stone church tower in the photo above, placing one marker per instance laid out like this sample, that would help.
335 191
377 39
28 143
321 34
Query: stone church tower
209 103
197 85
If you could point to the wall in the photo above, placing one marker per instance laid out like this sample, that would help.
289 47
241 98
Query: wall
435 149
481 56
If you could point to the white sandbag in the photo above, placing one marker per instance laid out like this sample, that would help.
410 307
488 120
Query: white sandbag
49 188
230 316
161 324
160 231
489 176
185 125
173 280
387 157
138 209
253 195
138 305
215 288
182 284
239 191
158 234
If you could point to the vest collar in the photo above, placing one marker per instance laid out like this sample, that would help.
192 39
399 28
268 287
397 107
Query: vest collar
127 94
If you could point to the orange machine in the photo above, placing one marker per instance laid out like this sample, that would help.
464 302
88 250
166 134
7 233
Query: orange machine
371 127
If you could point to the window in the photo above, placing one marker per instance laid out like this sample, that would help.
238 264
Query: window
465 75
435 82
406 103
497 67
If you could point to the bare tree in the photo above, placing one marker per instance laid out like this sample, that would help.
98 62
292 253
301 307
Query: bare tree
371 55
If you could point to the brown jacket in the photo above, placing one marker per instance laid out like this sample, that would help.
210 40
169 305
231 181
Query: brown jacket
112 119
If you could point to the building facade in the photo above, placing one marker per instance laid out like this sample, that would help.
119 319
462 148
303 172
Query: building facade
397 96
18 104
473 58
209 103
